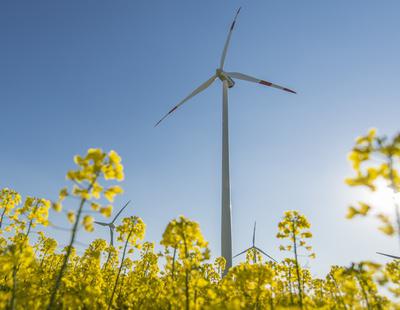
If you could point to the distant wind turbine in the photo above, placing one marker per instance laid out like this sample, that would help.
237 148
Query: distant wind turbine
388 255
111 224
227 79
253 247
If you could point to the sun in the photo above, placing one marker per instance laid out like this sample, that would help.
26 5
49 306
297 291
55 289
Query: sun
383 198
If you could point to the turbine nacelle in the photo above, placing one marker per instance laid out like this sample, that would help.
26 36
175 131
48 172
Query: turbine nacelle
111 224
224 77
254 248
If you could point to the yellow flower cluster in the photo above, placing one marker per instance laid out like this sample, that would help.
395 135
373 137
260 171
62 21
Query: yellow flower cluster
294 227
8 200
377 159
92 167
179 277
362 210
131 230
37 274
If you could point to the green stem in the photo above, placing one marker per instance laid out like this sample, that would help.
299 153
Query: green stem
15 270
290 285
119 270
339 292
43 258
2 216
256 307
187 293
14 287
360 282
29 229
297 266
66 257
69 249
173 264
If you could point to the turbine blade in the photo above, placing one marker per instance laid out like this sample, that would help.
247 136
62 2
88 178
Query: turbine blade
270 257
120 211
245 77
242 252
101 223
192 94
388 255
254 234
228 39
59 227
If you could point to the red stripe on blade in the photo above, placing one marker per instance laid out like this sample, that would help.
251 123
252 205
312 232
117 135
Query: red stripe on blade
265 83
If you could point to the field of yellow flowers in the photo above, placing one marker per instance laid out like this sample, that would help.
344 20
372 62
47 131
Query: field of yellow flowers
36 274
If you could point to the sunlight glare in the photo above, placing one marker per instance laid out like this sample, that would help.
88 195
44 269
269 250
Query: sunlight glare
383 198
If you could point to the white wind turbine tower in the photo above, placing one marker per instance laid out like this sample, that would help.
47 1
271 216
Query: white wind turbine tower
227 82
253 247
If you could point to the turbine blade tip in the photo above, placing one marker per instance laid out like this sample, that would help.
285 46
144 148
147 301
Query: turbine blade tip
290 91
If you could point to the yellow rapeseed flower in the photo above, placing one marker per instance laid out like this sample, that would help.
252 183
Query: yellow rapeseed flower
107 210
71 217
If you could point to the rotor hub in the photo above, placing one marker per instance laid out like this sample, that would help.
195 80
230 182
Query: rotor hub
224 77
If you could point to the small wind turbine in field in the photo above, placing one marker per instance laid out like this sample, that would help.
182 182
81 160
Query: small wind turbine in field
388 255
227 79
111 224
255 249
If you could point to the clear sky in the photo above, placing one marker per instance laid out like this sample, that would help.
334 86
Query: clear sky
77 74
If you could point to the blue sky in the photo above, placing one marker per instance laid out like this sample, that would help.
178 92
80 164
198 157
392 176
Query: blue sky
79 74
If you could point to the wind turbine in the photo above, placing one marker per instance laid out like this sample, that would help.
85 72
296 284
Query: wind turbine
253 247
111 224
227 79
